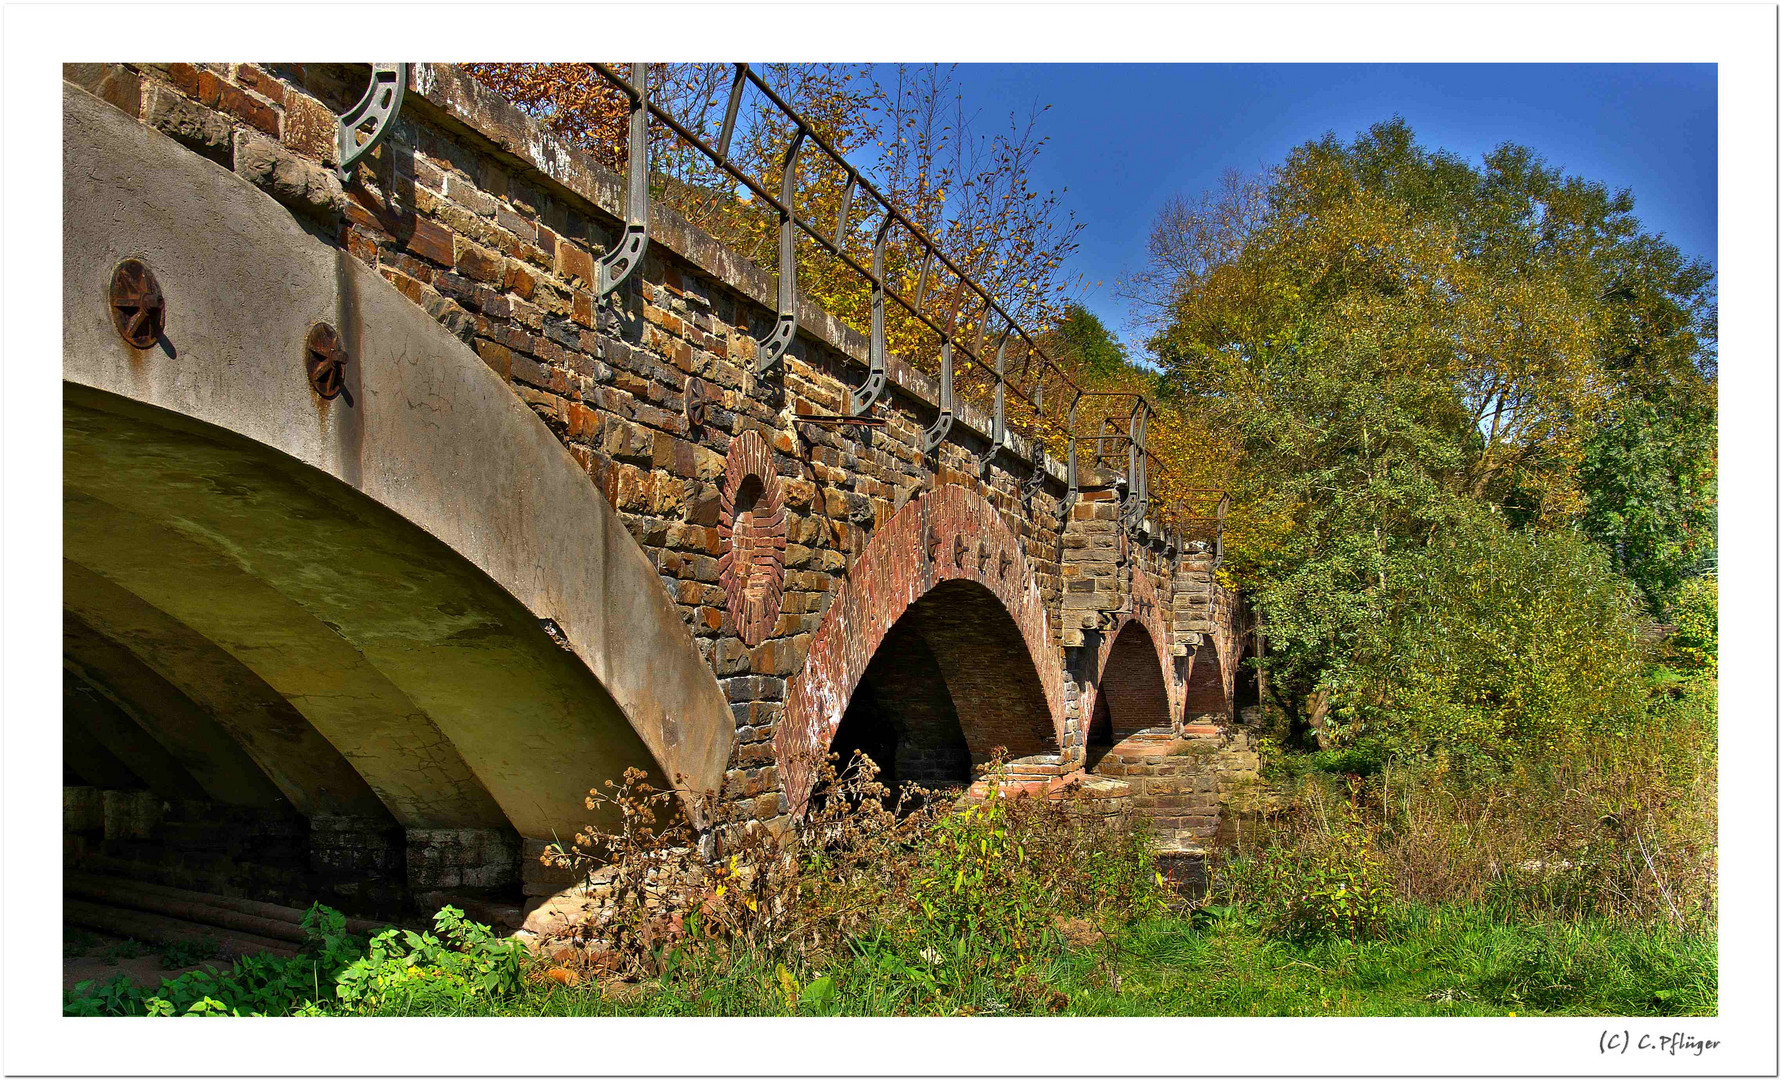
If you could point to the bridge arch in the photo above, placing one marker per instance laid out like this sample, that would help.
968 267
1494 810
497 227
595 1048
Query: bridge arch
943 588
1136 688
1208 687
446 625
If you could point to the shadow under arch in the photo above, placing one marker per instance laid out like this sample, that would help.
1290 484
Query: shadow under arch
1208 699
1132 697
943 589
950 683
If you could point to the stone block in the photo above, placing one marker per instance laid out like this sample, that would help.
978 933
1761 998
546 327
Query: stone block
297 182
111 83
479 263
189 123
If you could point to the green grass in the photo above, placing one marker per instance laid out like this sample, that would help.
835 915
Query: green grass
1445 961
1429 962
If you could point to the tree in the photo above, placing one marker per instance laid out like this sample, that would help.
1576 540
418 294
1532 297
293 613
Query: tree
1407 349
1086 344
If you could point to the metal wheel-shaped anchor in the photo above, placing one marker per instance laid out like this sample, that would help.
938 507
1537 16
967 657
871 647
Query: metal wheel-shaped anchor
698 401
325 358
138 309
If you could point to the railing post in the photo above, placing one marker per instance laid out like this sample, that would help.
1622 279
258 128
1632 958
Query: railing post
1035 481
1137 468
934 436
737 85
1224 505
785 327
875 367
617 265
998 436
1070 468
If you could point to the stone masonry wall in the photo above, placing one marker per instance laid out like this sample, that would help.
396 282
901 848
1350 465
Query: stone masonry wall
493 228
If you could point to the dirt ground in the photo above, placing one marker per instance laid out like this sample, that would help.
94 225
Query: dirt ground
91 955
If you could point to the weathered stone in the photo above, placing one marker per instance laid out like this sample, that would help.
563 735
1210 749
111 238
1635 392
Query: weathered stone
205 131
297 182
112 83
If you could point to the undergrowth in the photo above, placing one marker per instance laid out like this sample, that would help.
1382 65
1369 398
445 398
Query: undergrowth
1578 887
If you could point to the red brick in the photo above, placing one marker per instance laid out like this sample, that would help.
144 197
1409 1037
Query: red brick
431 241
310 128
360 243
574 265
479 263
407 286
185 78
519 280
497 357
219 94
260 83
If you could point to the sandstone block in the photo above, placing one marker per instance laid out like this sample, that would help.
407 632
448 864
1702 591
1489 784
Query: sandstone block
297 182
202 129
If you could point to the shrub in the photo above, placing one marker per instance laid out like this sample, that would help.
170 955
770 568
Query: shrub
1322 877
1694 647
1497 645
405 970
258 985
1621 827
956 900
188 952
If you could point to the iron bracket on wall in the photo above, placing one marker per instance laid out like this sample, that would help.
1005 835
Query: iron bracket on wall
876 376
785 327
379 106
998 432
934 436
626 256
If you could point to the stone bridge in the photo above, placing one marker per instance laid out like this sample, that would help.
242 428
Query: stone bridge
384 540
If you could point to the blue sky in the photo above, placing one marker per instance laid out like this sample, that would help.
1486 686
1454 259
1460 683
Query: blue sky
1124 137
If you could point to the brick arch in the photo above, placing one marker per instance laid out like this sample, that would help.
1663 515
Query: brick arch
949 535
1133 683
751 526
1149 613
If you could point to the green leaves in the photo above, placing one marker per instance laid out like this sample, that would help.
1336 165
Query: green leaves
464 960
1409 352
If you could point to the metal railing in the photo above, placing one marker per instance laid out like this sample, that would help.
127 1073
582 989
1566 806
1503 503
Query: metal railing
968 338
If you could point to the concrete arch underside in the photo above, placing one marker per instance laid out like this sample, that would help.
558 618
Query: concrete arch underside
407 610
934 651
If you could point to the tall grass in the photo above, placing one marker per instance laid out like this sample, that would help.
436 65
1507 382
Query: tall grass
1621 827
